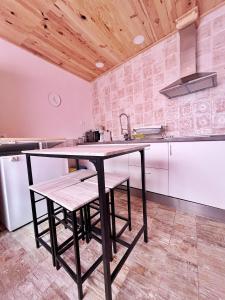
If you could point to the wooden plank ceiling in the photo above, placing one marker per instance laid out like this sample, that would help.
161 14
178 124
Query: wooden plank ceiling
75 34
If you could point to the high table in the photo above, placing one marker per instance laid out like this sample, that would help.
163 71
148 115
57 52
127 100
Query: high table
97 154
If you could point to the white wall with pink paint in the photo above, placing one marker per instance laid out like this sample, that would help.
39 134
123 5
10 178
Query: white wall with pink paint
25 82
134 87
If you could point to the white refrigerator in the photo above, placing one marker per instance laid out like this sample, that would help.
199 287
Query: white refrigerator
15 204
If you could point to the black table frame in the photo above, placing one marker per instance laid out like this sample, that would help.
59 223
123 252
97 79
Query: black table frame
98 161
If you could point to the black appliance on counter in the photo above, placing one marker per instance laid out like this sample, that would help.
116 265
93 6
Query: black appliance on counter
92 136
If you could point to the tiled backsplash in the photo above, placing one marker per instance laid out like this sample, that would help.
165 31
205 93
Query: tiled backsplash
134 87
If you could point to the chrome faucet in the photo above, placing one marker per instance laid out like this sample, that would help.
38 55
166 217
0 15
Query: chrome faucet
126 132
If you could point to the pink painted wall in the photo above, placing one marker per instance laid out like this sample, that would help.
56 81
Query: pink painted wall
133 87
25 82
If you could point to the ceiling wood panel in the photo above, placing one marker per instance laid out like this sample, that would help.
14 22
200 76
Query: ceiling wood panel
75 34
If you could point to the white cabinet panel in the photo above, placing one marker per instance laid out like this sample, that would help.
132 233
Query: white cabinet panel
156 179
156 156
135 176
197 172
117 165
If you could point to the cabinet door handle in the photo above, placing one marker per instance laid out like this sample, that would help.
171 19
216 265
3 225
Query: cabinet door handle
171 150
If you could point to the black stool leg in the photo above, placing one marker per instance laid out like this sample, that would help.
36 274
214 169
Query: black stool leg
53 232
87 229
110 241
82 224
113 220
34 213
50 231
77 255
32 197
89 221
128 204
65 217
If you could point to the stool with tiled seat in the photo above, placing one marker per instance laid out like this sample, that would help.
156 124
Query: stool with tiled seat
113 181
72 198
43 189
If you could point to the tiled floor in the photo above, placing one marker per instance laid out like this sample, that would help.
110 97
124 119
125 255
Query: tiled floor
184 259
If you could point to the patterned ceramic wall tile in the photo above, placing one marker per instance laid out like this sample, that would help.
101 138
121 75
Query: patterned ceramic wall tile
134 87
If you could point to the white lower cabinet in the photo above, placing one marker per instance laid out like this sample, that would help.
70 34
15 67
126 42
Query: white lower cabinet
156 156
193 171
117 165
156 168
156 179
197 172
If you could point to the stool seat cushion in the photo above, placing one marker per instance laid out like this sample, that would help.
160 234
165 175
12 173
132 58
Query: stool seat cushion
111 180
75 196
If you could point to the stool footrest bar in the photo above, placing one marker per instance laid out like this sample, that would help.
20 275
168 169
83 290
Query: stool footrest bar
122 230
92 268
127 253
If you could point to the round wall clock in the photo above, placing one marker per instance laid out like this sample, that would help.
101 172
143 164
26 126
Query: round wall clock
54 99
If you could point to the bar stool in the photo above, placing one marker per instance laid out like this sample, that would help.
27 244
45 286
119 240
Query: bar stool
113 181
43 189
72 198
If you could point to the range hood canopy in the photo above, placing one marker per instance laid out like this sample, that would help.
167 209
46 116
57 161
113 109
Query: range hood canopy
190 84
191 81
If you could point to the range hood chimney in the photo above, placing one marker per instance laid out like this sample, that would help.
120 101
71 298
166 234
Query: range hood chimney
190 80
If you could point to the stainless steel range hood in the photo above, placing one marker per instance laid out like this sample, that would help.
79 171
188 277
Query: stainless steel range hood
191 81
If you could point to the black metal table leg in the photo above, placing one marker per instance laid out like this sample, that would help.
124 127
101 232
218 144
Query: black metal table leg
105 227
53 232
32 197
77 255
144 203
50 230
113 220
128 203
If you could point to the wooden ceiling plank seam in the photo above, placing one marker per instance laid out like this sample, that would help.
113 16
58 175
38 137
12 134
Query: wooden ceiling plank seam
164 19
37 7
57 44
126 25
132 23
184 6
57 63
171 12
64 33
154 18
15 14
141 11
110 25
98 37
41 45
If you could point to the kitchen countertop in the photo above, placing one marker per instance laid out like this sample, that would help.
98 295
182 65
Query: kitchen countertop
167 139
30 140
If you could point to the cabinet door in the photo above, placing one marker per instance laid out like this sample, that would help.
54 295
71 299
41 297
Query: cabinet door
197 172
156 156
156 179
117 165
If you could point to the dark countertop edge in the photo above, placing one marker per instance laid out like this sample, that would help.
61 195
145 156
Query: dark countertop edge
166 140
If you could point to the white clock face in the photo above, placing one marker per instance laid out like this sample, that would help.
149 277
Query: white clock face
54 99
